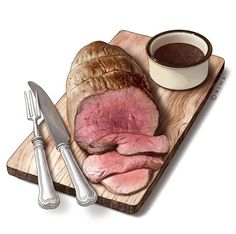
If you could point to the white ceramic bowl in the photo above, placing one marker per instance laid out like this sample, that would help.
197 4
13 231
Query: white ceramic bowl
179 78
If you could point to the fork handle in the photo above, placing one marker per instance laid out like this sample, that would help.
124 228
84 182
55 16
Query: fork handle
48 197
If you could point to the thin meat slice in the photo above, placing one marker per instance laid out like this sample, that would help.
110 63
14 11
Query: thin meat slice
130 143
98 167
123 110
129 182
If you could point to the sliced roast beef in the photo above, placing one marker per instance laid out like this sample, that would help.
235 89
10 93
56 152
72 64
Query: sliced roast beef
114 111
129 182
108 93
98 167
130 143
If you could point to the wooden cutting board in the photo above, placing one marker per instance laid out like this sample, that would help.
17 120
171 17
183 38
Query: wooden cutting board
178 110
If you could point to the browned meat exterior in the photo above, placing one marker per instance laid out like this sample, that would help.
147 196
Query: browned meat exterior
97 49
123 110
98 167
100 66
130 143
129 182
103 67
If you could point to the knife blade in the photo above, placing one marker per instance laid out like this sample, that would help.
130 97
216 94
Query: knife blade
85 194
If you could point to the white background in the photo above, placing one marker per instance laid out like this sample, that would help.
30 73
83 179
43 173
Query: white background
39 39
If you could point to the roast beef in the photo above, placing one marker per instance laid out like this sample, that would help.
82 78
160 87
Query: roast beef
98 167
124 110
108 93
129 182
130 143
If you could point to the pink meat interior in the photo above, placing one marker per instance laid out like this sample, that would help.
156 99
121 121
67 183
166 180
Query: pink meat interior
123 110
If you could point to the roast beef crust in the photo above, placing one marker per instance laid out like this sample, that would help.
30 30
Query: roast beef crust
96 68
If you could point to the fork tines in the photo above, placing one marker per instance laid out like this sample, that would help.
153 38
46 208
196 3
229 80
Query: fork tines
32 106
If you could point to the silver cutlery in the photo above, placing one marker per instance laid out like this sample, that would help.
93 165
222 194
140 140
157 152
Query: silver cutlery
85 194
48 197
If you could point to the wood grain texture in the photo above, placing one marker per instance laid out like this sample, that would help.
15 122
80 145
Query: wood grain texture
178 111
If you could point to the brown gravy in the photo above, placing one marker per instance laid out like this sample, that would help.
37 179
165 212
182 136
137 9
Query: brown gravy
178 54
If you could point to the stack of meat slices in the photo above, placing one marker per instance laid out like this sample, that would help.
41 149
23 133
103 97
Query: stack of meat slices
113 117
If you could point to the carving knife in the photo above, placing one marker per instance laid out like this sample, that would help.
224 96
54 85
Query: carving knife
85 194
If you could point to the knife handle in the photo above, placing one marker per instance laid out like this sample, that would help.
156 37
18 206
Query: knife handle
48 197
85 194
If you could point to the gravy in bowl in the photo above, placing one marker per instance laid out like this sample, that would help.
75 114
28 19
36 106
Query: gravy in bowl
178 55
